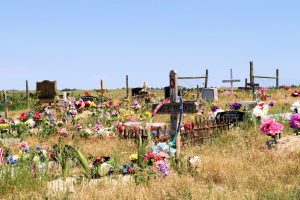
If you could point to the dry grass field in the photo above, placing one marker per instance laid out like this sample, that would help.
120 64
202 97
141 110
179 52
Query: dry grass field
235 165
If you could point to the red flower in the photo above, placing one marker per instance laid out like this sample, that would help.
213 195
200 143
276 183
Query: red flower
150 156
37 116
23 117
188 126
131 170
121 128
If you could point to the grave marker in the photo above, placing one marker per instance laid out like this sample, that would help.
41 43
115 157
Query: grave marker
6 104
210 94
252 76
231 81
46 91
102 91
230 116
172 108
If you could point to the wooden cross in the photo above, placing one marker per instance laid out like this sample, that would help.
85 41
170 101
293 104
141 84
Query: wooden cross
172 108
231 81
6 104
102 91
253 85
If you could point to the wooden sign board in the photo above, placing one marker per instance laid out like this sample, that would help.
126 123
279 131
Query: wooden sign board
230 116
188 107
46 91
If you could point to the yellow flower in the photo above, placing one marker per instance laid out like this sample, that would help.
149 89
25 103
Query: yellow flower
4 126
148 114
92 104
133 157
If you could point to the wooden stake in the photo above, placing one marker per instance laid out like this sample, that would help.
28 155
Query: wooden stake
127 87
206 78
5 106
27 94
251 72
277 78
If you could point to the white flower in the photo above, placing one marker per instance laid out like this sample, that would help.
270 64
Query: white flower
296 106
30 122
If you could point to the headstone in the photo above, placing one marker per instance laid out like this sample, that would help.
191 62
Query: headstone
136 91
230 116
46 91
210 94
89 98
250 104
188 107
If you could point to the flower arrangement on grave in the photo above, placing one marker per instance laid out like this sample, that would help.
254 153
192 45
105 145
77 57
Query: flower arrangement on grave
63 132
235 106
294 123
271 128
23 117
296 107
188 126
260 111
295 93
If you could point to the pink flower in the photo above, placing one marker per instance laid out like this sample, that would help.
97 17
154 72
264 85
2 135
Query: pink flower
63 132
23 145
264 90
78 127
23 117
271 127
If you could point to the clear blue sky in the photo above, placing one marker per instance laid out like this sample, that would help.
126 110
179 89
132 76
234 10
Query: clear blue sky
78 43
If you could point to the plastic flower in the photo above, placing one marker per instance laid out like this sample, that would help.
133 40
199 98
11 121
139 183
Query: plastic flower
63 132
235 106
263 90
150 156
163 168
261 111
296 106
78 127
11 160
295 121
133 157
214 108
23 145
271 127
37 116
97 127
31 123
23 117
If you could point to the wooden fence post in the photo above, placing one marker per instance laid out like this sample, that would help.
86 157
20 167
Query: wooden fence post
206 78
27 94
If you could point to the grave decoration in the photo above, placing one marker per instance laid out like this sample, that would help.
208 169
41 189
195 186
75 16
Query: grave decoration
296 107
46 91
294 123
230 116
271 128
210 94
295 93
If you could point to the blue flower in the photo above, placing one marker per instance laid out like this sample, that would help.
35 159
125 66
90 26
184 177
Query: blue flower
38 147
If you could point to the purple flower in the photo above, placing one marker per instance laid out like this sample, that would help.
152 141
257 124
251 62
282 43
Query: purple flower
271 104
295 121
163 168
235 106
38 147
214 108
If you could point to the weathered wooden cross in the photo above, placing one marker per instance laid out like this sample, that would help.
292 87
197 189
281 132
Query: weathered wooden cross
6 104
253 85
172 108
102 91
231 81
